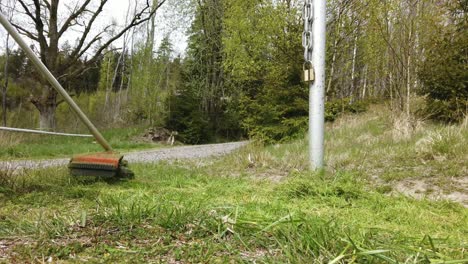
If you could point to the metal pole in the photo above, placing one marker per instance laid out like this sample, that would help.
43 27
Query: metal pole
40 132
48 75
317 88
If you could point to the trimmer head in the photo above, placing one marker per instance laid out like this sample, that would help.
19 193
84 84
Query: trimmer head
105 165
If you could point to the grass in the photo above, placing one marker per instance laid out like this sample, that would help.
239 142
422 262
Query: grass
257 205
16 146
378 146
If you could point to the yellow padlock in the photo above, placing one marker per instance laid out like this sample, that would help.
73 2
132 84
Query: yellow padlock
308 73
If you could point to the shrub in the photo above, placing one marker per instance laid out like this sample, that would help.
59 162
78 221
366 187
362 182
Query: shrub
335 107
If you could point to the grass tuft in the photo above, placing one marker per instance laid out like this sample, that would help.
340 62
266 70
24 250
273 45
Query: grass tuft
404 127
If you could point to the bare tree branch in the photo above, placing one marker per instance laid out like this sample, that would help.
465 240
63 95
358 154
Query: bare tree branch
72 17
47 4
79 51
85 43
40 28
26 9
94 40
75 54
135 22
25 32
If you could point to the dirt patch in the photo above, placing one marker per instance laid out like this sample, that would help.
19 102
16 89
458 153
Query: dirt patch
456 190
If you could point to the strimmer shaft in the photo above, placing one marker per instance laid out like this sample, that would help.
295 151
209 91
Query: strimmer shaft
53 81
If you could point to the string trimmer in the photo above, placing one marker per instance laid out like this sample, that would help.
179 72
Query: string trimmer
106 164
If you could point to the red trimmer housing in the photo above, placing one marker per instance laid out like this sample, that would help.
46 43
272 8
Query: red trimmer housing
106 165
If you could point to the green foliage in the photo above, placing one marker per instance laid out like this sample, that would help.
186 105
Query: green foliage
278 115
446 110
263 48
263 58
335 107
205 108
188 119
445 73
20 74
24 86
271 124
106 73
154 78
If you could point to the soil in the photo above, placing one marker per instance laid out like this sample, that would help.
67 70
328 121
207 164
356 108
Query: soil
456 190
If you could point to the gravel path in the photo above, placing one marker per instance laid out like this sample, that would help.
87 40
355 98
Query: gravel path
147 156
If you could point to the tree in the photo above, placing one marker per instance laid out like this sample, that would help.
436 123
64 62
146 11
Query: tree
5 85
444 72
206 57
263 64
204 96
39 21
10 5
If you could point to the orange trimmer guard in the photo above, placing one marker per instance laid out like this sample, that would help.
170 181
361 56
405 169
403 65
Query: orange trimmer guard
106 165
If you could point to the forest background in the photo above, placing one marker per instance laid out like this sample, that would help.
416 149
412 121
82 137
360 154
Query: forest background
240 75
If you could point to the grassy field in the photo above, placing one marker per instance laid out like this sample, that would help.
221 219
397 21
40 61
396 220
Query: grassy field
258 205
26 146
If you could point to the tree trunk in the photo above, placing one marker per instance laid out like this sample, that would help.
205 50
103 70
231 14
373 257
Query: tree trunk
364 83
132 64
47 106
5 86
390 75
353 69
332 67
149 92
108 88
408 87
47 119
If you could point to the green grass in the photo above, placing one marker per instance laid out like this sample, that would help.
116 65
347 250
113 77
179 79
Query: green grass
378 145
174 213
257 205
39 146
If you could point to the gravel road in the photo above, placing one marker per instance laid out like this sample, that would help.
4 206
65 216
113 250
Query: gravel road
147 156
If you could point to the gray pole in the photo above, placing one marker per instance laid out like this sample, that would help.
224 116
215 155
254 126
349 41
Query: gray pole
317 88
40 132
48 75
